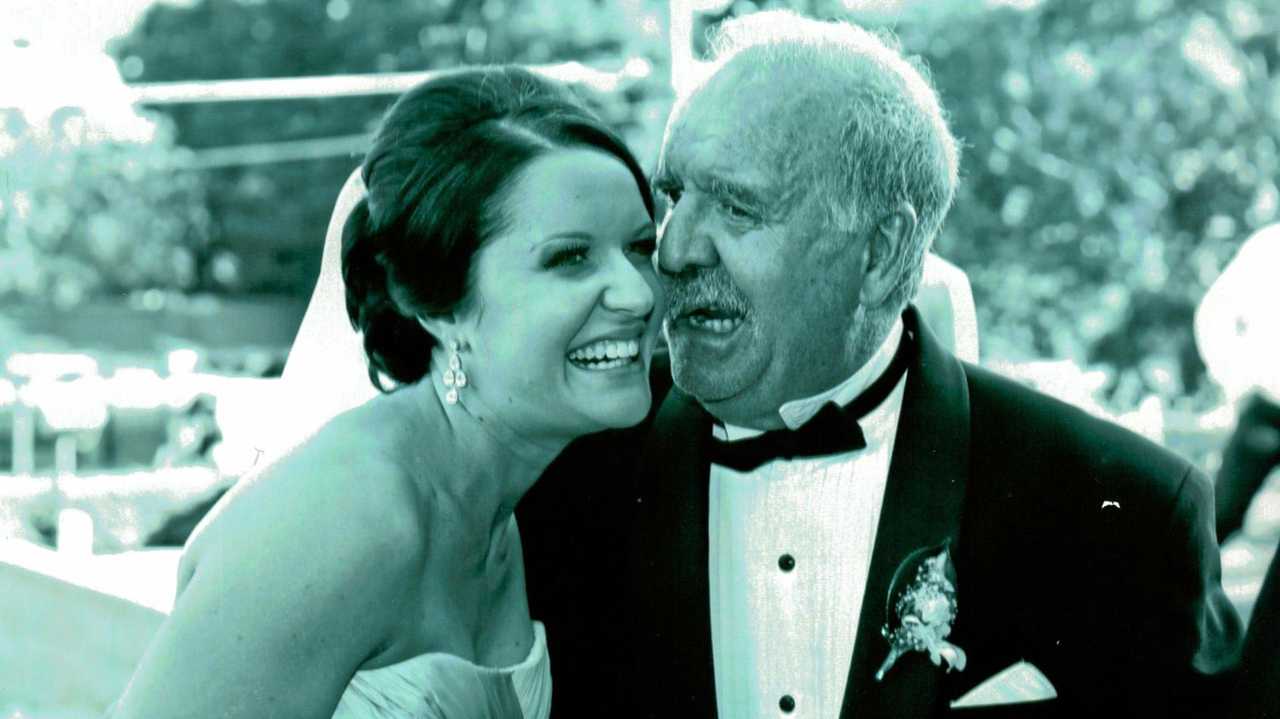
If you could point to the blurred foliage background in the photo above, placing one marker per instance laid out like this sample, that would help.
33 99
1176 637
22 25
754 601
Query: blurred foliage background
84 214
155 260
1115 153
272 216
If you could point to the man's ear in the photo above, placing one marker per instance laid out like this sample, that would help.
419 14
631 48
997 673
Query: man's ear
888 243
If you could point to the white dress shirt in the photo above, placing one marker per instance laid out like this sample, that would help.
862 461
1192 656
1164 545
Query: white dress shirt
790 551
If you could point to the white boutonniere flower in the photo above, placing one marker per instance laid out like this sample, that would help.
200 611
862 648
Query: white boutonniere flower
923 611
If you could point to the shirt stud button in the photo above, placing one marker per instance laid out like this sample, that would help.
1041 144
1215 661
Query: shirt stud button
787 704
786 562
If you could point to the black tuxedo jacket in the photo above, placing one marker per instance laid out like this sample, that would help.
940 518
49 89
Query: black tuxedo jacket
1078 546
1244 468
575 526
1257 692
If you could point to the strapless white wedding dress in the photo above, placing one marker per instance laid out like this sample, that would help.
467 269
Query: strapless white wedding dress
443 686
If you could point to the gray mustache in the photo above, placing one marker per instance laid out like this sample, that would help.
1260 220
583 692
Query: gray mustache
686 295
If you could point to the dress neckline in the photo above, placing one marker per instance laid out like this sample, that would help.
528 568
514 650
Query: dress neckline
536 656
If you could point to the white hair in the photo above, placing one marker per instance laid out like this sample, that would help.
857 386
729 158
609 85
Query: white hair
875 126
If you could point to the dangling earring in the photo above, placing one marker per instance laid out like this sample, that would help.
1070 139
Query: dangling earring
454 378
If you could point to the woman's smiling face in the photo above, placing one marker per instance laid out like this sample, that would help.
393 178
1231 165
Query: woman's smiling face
564 306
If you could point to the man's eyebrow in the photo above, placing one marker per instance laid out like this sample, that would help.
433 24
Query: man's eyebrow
736 189
714 183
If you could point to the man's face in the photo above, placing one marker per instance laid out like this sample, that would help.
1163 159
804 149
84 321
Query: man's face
762 300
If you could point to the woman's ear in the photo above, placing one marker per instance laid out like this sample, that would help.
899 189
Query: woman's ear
438 326
887 246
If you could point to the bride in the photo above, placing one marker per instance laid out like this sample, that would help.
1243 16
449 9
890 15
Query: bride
498 268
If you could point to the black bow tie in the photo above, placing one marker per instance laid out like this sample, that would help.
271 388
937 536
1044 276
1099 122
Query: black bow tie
833 430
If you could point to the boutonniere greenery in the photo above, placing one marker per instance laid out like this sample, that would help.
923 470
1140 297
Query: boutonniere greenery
922 609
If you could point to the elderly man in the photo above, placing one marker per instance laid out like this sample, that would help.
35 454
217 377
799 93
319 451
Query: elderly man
837 517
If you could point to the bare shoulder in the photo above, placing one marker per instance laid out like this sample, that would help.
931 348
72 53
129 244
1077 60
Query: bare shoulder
299 576
343 491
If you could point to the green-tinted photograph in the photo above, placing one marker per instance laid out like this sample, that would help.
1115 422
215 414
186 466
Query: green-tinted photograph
517 359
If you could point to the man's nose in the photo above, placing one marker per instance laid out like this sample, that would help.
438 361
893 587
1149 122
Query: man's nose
685 243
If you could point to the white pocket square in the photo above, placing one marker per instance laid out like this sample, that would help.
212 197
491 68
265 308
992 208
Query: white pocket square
1019 683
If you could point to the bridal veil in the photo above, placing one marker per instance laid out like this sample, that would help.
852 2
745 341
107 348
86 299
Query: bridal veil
326 372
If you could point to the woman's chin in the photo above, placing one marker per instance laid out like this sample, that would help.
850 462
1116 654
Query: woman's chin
619 412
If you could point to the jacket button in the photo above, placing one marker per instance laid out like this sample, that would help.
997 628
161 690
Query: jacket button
787 704
786 562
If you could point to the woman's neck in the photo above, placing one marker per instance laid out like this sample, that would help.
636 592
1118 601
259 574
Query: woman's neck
498 464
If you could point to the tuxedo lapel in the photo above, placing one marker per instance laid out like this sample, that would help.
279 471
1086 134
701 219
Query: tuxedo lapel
922 507
670 559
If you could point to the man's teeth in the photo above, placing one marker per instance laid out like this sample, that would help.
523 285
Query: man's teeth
718 325
607 354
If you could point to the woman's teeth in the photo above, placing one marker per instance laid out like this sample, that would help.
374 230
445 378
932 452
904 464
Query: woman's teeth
717 325
606 354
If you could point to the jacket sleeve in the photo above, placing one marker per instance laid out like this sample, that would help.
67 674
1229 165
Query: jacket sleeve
1205 632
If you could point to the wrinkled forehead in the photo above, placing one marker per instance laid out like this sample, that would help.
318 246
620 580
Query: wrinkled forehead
753 119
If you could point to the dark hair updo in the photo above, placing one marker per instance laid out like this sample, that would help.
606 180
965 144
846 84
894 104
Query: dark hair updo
441 164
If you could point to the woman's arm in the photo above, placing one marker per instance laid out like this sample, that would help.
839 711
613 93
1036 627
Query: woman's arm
292 588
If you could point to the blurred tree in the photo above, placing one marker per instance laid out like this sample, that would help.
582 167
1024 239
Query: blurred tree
1116 155
269 219
85 213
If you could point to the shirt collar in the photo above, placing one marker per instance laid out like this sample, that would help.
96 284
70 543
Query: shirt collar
798 411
